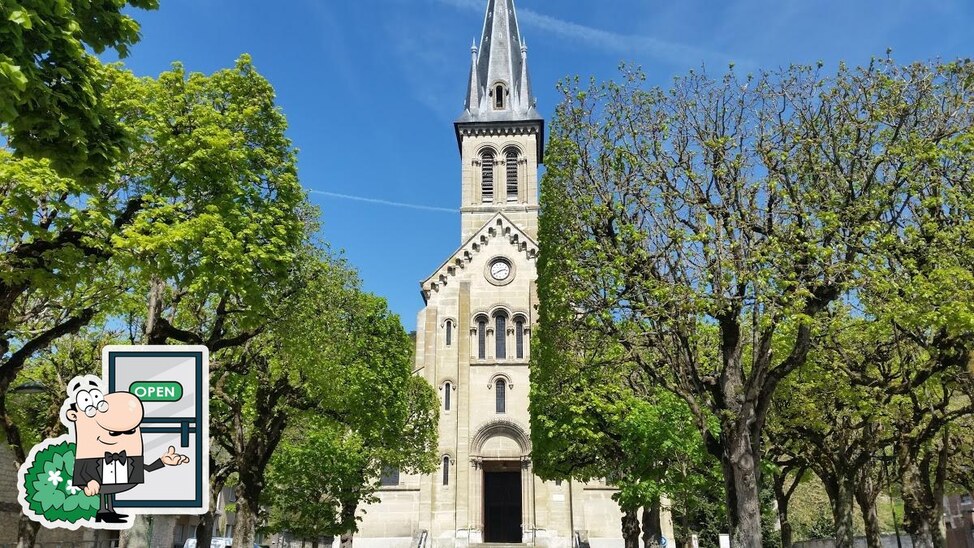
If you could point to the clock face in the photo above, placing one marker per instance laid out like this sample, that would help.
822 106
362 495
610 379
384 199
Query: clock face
500 270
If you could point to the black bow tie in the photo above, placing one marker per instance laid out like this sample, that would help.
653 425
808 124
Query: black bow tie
120 457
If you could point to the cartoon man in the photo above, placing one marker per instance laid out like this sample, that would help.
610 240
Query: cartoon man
108 435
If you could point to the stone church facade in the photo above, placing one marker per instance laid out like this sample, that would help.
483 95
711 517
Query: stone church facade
474 338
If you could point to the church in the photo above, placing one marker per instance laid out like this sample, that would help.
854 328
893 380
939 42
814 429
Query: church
473 340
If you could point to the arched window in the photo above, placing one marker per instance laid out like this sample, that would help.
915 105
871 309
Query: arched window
487 177
500 393
519 338
390 477
447 388
499 95
449 332
482 337
500 336
446 470
510 162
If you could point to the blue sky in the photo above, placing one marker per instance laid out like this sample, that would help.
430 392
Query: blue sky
371 87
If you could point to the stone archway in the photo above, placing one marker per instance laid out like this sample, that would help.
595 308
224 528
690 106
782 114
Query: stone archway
503 492
506 428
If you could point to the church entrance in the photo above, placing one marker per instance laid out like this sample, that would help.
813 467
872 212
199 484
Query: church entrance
502 502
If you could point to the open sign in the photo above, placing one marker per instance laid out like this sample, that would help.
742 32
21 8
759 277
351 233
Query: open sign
157 391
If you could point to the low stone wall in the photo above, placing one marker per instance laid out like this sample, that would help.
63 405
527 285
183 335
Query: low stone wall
10 511
889 541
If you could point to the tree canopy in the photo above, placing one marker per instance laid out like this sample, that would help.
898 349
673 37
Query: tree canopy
706 228
52 87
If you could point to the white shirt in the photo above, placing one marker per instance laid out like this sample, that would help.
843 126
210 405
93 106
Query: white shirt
116 472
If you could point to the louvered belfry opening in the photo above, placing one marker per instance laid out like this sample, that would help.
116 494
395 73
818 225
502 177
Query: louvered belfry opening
487 177
511 162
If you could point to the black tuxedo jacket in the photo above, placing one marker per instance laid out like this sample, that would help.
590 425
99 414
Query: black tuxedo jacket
86 470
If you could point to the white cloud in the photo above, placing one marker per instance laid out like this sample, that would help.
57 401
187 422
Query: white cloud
382 202
612 42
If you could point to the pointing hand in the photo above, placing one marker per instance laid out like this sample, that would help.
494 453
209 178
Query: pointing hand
172 459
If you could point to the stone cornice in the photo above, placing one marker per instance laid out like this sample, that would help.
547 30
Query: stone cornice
499 226
497 129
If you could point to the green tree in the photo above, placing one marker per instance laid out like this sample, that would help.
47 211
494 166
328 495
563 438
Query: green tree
325 471
317 468
741 206
960 470
221 216
204 215
56 275
587 424
825 423
920 286
37 414
339 354
208 200
30 418
52 88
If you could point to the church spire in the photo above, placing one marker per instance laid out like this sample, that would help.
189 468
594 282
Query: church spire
473 88
499 89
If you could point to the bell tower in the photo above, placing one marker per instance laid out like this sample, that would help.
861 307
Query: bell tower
500 133
474 340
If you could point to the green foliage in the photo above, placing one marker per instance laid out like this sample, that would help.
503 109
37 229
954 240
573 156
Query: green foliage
313 477
368 412
821 526
37 415
207 203
586 424
222 211
49 492
203 213
809 512
699 235
324 396
52 102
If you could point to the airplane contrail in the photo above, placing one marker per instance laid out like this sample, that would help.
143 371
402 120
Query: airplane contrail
383 202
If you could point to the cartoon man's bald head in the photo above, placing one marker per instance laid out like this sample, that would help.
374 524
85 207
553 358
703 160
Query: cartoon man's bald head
103 422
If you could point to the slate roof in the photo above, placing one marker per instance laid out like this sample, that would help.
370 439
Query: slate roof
501 57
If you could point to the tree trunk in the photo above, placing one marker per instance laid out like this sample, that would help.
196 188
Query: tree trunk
204 529
652 525
154 307
923 503
866 493
841 499
782 499
27 532
138 535
926 531
163 527
630 529
922 535
246 522
26 529
743 500
348 517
